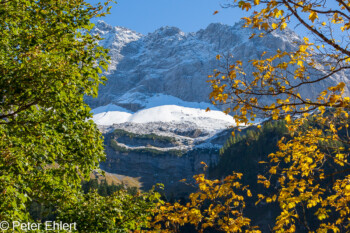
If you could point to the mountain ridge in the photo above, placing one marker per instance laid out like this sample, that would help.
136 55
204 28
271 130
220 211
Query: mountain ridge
171 62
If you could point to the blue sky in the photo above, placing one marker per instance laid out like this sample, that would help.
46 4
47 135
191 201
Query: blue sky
145 16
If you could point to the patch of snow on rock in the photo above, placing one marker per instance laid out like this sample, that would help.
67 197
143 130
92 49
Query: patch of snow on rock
212 120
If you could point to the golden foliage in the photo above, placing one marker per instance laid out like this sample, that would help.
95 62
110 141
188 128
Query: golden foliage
312 165
309 174
306 169
216 205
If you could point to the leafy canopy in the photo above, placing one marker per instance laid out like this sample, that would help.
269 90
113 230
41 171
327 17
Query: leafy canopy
119 212
216 205
48 62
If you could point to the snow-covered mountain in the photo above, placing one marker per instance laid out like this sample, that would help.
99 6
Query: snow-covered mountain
173 63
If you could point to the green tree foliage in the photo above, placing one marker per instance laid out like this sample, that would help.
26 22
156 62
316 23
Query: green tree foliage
243 150
46 211
105 189
48 62
102 208
119 212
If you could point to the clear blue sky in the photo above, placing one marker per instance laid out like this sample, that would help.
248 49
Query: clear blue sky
146 16
189 15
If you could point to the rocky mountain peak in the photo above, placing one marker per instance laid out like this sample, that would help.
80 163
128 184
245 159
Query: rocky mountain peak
114 39
103 26
213 28
168 31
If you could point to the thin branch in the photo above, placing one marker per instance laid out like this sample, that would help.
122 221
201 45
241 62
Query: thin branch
319 34
19 110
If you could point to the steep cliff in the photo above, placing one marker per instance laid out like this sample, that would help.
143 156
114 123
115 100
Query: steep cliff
161 152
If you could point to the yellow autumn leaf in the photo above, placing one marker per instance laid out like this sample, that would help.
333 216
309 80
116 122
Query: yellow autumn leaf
313 15
300 63
287 118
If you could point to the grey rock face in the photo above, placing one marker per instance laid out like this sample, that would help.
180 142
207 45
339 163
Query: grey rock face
161 153
166 169
172 62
